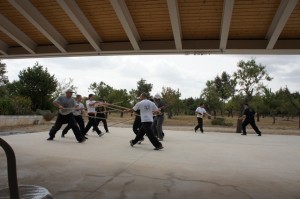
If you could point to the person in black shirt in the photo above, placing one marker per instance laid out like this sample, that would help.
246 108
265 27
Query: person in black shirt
249 119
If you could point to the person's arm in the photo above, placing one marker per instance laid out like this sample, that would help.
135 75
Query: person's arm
57 104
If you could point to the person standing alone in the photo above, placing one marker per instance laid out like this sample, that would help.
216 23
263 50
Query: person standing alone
201 113
249 114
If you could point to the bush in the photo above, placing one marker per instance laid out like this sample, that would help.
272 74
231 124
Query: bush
49 116
221 122
17 105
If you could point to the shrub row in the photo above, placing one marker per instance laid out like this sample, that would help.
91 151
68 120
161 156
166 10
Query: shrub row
18 105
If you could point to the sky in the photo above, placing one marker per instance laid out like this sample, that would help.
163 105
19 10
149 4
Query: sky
188 73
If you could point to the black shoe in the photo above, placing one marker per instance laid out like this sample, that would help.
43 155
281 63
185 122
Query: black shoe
259 134
83 140
202 131
131 143
85 137
195 130
141 140
100 134
158 148
243 133
107 131
50 138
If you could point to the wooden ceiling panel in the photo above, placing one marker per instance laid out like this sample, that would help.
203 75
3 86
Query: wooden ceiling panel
151 19
23 24
60 20
292 28
7 40
252 19
200 19
104 19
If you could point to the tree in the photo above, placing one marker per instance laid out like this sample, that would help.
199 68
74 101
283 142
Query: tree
142 87
37 84
171 97
63 86
249 77
3 79
101 89
225 87
211 97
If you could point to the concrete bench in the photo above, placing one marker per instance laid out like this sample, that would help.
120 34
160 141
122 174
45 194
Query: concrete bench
13 191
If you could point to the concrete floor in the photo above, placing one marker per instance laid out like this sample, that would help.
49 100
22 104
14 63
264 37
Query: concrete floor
209 165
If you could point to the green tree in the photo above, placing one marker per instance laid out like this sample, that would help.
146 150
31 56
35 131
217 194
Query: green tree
37 84
225 87
101 89
63 86
142 87
3 79
249 77
211 97
171 98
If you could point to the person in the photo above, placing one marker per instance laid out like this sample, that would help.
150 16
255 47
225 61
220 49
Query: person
249 114
159 118
91 105
101 116
77 115
137 125
146 108
66 105
201 113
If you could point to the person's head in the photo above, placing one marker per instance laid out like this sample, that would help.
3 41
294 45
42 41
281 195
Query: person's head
246 105
157 97
78 98
202 105
69 93
143 96
91 96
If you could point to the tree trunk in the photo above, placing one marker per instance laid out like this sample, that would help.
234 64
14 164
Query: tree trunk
257 117
274 119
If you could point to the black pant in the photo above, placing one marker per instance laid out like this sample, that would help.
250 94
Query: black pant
252 123
80 123
137 126
70 120
146 129
200 124
92 122
101 117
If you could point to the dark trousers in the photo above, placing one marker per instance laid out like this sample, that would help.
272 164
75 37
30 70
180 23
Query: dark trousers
92 123
200 124
253 125
101 118
66 119
146 129
80 123
137 126
157 126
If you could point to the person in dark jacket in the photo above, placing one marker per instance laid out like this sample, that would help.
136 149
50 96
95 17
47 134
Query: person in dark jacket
249 114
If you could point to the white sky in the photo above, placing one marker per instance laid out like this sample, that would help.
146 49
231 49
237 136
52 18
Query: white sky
188 73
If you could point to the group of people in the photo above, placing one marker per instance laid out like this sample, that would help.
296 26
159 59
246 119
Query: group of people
247 117
70 112
149 118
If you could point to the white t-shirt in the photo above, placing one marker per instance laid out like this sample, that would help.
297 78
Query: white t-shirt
80 106
146 107
90 109
200 110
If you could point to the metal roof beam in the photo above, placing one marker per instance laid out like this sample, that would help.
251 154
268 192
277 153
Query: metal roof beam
281 17
125 18
226 19
16 34
40 22
81 21
175 21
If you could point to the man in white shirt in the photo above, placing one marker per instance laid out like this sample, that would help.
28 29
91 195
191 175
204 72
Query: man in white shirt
146 108
201 113
91 105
